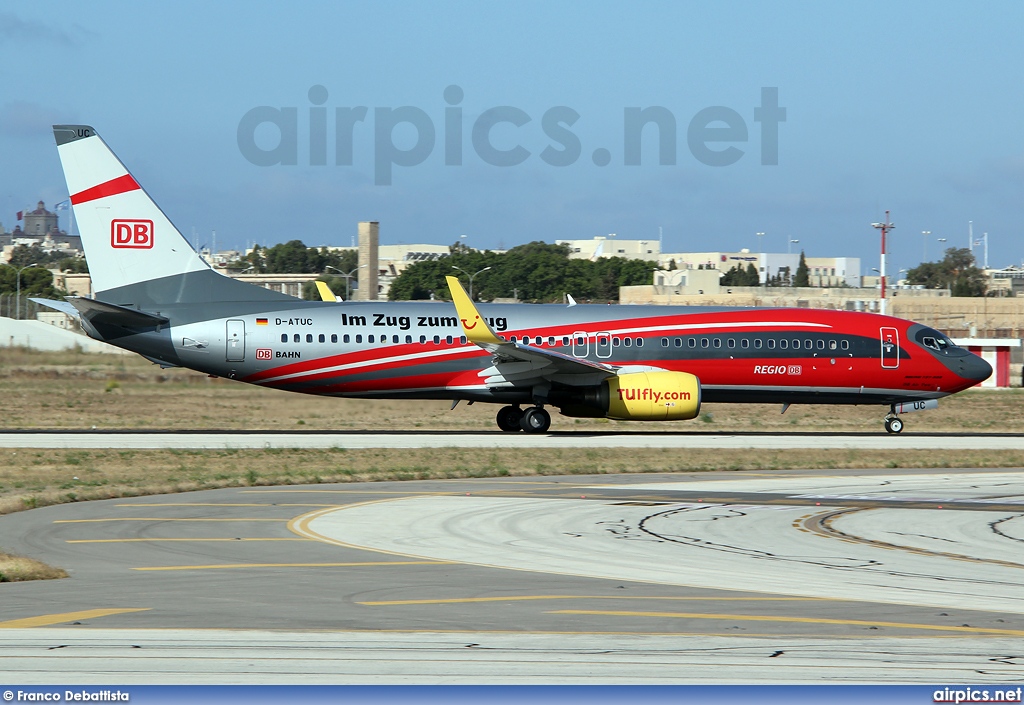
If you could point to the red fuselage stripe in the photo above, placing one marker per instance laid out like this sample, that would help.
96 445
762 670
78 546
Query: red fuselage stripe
121 184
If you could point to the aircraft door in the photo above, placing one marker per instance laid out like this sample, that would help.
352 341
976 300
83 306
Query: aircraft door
236 341
603 344
890 348
580 344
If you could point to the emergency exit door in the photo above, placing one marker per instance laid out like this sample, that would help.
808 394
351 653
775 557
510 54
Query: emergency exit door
890 348
236 341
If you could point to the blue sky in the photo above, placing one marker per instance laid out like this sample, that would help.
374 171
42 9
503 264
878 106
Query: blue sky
915 107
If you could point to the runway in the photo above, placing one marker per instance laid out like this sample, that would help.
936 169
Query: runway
635 439
896 576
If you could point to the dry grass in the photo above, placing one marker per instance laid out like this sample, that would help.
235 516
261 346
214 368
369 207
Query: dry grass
15 569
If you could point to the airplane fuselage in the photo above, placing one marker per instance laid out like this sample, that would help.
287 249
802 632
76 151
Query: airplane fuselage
418 350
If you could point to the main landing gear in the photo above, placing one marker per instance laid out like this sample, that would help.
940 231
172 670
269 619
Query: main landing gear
893 423
532 420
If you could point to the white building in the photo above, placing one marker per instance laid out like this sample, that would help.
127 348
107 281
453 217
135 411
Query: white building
610 246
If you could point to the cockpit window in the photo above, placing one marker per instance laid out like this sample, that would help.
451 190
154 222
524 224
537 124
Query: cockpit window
929 342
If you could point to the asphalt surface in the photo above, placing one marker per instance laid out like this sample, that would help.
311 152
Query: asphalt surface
868 576
496 439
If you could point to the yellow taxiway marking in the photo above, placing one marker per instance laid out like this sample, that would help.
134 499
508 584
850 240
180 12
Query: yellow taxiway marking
406 493
219 504
157 540
49 619
461 600
93 521
227 566
802 620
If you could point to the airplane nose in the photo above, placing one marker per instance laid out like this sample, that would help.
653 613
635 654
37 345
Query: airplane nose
973 367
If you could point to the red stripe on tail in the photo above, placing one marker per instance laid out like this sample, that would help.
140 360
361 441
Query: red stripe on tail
113 187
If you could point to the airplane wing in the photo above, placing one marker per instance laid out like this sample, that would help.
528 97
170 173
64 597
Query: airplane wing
517 364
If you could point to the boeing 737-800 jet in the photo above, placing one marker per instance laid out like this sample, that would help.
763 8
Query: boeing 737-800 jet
155 296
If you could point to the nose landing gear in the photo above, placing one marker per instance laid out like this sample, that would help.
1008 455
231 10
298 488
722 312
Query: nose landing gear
893 423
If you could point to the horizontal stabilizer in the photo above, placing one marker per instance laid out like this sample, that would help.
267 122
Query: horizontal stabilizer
62 306
102 313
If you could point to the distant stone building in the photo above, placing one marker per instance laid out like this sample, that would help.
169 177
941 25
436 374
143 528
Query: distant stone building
41 228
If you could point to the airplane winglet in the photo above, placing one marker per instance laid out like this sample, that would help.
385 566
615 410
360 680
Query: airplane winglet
473 324
325 292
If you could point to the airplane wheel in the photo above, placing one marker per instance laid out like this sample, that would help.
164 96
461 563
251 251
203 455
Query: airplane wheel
893 425
509 418
535 420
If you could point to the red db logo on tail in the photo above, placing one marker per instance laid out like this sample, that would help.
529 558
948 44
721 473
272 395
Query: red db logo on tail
137 234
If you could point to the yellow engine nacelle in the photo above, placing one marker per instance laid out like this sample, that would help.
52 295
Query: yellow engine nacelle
653 396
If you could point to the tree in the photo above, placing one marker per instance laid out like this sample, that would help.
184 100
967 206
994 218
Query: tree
802 277
956 272
536 271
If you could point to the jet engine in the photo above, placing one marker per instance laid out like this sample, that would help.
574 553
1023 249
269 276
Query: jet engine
639 396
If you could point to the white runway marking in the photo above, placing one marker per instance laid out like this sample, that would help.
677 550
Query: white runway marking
734 547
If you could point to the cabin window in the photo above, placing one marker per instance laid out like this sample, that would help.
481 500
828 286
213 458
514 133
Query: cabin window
692 342
580 340
448 340
821 344
462 340
732 342
679 342
704 343
513 339
832 345
395 339
437 340
297 338
309 337
423 340
718 342
322 338
334 337
846 345
408 339
345 338
565 340
603 340
757 343
771 343
639 342
369 339
359 338
383 340
526 340
796 344
616 342
745 343
808 344
284 337
664 342
627 341
784 344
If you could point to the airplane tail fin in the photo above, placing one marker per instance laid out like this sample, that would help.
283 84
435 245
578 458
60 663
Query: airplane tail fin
136 256
127 238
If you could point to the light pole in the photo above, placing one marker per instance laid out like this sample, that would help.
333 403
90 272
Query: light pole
885 228
760 258
789 246
924 254
470 278
17 300
348 278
